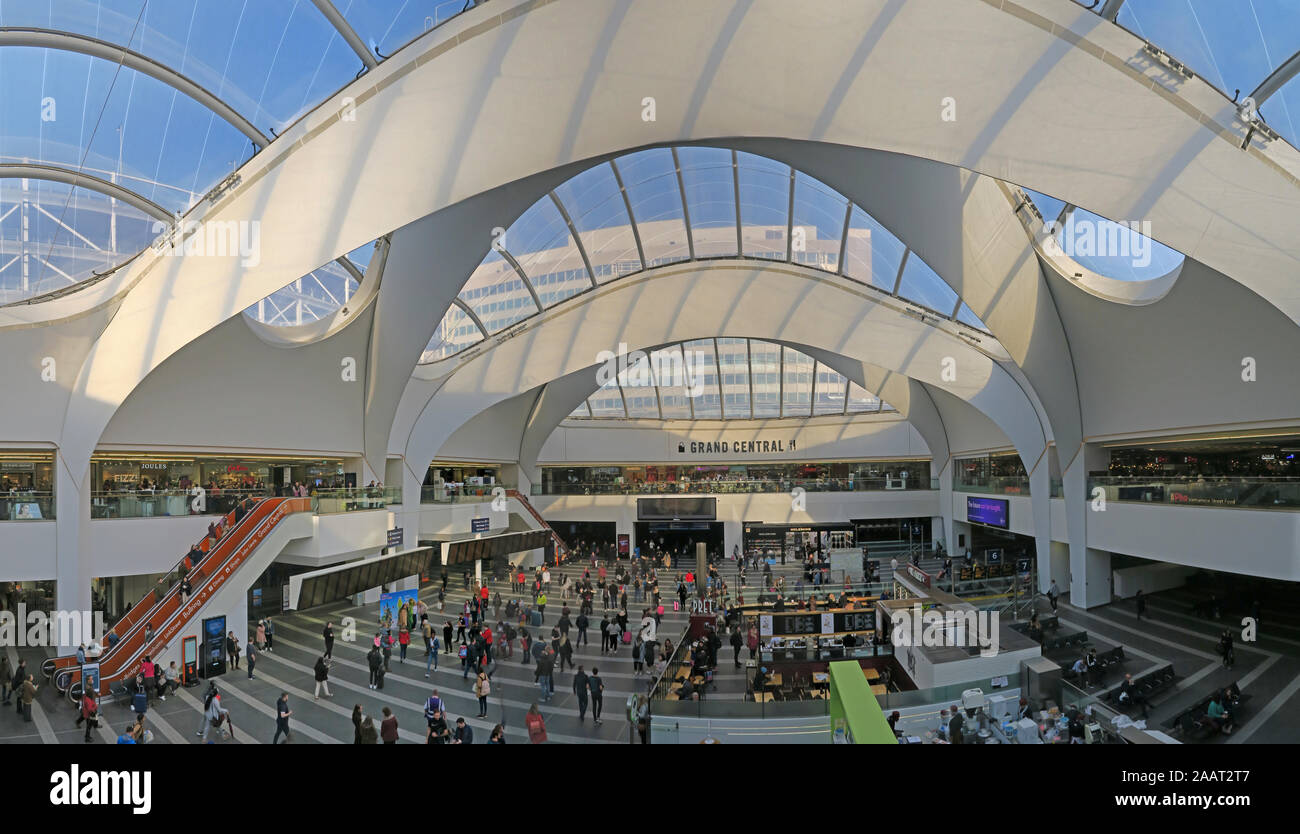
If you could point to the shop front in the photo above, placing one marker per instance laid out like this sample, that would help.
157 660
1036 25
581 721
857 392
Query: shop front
449 481
135 485
26 485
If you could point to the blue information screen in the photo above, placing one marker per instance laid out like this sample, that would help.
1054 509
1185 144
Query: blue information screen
991 511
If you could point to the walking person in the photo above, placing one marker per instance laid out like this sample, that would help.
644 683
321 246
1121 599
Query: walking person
322 677
357 718
328 634
1226 650
89 714
580 690
282 713
482 688
536 725
597 687
1053 595
446 637
1141 601
432 659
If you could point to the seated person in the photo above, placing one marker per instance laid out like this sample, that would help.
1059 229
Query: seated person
1080 670
1216 716
1231 696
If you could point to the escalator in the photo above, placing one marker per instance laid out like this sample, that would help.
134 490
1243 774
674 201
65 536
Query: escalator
153 624
561 549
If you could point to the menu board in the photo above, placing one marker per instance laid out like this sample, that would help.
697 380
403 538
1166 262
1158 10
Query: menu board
825 622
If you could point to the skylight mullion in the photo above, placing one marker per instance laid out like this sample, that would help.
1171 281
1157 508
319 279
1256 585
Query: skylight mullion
686 213
631 218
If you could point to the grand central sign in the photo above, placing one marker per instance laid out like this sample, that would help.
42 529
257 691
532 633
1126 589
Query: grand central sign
735 447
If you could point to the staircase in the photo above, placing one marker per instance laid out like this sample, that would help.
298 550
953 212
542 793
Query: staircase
167 617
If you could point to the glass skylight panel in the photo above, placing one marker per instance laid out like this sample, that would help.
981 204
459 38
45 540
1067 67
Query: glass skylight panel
829 391
710 200
670 373
872 254
455 332
861 400
583 410
651 181
638 383
541 242
596 207
1117 250
967 316
702 366
818 223
764 206
607 401
151 139
496 294
797 376
733 370
922 285
765 374
360 257
53 235
1048 207
317 295
392 25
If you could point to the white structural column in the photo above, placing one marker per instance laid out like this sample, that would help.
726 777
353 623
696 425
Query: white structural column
1089 567
73 560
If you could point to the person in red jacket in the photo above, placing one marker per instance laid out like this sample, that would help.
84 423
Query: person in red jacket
403 640
536 725
487 641
89 714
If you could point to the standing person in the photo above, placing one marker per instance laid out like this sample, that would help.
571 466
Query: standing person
498 735
580 689
282 713
536 725
736 643
369 735
1141 604
464 733
322 677
261 634
6 679
232 649
328 634
250 652
597 687
388 727
89 714
446 637
482 688
270 635
1225 649
356 723
545 668
403 640
1053 594
376 662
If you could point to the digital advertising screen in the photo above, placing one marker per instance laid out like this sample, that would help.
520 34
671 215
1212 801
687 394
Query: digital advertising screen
994 512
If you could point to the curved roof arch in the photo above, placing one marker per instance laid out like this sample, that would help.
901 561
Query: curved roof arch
665 205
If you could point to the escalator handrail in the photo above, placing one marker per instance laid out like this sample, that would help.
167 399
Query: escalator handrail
164 632
258 522
135 624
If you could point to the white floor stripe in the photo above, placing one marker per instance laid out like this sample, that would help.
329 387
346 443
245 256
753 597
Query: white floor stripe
1260 719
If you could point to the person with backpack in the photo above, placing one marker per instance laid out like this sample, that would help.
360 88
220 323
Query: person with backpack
536 725
597 687
482 688
387 643
544 672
